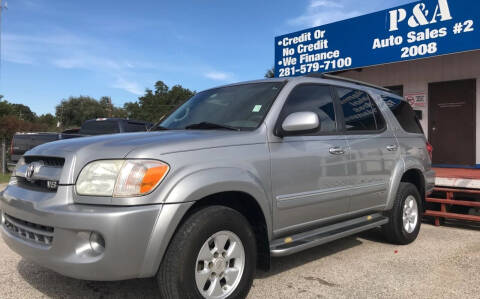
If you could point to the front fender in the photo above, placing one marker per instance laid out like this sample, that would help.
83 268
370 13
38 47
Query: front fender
186 192
205 182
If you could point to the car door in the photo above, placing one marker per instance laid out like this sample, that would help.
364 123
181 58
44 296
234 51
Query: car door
308 170
373 149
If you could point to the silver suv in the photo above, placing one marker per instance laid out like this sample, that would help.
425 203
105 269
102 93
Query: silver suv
235 176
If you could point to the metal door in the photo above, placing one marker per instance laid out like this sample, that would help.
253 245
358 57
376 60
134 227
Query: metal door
451 124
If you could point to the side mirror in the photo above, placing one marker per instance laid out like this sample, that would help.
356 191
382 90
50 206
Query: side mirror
300 122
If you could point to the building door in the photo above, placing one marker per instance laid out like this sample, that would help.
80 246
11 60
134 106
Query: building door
451 121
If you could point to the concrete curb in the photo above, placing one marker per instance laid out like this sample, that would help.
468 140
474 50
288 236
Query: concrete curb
3 186
457 183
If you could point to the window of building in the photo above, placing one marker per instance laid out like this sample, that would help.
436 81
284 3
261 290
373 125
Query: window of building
397 89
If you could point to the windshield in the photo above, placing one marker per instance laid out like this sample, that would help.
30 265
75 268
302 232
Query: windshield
241 107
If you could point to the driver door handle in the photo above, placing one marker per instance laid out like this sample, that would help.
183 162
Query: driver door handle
337 150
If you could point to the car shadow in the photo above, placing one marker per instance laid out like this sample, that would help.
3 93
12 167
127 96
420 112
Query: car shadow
282 264
54 285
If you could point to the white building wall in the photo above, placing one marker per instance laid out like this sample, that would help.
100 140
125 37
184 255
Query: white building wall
416 75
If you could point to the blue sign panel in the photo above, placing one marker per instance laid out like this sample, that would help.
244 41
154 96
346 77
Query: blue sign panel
416 30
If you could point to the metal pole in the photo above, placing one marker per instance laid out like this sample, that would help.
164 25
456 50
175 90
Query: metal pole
4 160
1 20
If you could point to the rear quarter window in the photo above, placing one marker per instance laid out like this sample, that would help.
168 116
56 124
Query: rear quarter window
404 114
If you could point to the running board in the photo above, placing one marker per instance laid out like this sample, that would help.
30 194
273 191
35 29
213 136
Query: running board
309 239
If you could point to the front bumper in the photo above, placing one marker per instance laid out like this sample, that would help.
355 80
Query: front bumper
127 232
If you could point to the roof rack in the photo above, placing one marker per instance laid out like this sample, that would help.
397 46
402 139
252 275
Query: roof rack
338 78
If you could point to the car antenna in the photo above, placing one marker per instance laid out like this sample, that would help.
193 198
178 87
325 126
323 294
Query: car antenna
157 123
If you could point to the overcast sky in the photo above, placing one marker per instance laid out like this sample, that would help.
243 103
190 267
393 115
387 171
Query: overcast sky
53 49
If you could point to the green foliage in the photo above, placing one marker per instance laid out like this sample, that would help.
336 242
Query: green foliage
72 112
11 124
156 104
49 120
270 73
18 117
75 110
23 112
4 178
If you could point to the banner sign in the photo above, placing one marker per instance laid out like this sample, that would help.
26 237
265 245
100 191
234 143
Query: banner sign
413 31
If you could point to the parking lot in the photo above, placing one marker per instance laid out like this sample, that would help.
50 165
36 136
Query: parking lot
443 263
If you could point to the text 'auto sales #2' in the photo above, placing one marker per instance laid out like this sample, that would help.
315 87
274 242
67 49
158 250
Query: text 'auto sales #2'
416 30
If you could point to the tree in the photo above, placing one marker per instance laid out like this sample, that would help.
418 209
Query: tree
10 124
157 103
23 112
19 118
76 110
107 106
5 108
270 73
48 120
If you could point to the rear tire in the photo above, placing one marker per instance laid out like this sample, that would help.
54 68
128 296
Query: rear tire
213 252
405 217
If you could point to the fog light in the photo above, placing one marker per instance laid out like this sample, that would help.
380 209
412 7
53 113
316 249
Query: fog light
97 243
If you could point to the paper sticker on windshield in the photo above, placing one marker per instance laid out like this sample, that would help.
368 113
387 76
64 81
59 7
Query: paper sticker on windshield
257 108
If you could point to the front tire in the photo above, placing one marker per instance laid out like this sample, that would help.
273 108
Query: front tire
212 255
405 217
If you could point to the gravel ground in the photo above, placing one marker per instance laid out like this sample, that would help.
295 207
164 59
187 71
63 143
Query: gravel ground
443 263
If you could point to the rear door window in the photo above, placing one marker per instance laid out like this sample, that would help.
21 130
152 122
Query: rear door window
406 117
360 113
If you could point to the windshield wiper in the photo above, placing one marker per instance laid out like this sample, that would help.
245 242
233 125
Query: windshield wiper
159 128
205 125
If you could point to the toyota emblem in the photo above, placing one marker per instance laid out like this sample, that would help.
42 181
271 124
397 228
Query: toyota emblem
32 169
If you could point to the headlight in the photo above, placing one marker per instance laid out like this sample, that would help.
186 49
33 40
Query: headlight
120 178
13 177
20 163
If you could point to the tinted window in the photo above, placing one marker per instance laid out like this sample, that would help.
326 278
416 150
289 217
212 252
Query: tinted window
239 106
136 127
314 98
359 112
100 127
404 114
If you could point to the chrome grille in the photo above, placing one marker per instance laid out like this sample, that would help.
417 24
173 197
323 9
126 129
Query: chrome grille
47 161
40 173
38 185
35 233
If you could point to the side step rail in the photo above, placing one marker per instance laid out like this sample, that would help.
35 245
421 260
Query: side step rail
306 240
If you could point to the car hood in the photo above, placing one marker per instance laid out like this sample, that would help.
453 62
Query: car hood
80 151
